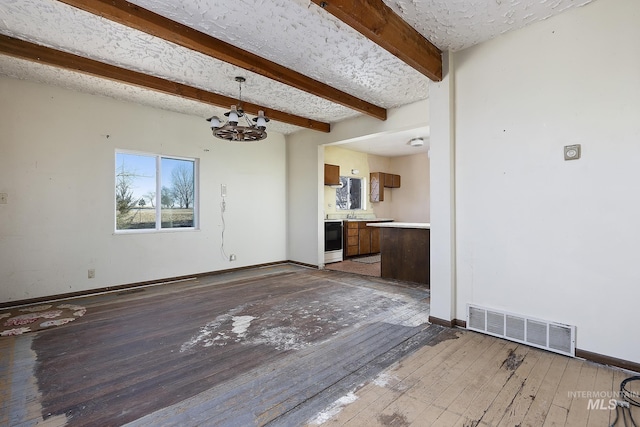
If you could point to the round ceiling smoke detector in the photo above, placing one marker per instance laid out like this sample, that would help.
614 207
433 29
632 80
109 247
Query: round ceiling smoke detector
416 142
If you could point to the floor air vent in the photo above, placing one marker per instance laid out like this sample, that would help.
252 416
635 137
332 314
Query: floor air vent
551 336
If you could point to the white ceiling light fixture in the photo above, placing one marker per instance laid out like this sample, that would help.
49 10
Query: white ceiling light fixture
416 142
232 130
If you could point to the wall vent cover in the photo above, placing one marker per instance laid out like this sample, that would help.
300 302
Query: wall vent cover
552 336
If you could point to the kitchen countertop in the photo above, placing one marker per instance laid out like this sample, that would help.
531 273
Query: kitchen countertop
359 219
423 225
369 220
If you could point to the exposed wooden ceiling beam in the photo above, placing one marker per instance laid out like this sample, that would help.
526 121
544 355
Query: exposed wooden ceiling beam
149 22
45 55
380 24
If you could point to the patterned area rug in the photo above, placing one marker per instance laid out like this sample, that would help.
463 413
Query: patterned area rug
368 259
18 321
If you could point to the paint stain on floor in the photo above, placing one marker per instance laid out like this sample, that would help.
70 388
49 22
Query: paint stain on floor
296 323
513 360
334 409
393 420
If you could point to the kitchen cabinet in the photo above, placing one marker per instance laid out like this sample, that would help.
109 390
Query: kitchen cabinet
391 180
379 181
376 183
364 239
331 174
351 238
360 239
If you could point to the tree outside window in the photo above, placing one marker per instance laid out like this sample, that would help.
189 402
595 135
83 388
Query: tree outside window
155 192
350 194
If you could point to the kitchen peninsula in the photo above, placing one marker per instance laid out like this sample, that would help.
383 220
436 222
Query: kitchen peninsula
404 250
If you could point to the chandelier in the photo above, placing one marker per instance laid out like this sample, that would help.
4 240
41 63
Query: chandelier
231 130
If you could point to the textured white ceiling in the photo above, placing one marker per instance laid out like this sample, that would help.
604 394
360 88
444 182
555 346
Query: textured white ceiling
54 24
28 70
303 37
390 144
293 33
457 24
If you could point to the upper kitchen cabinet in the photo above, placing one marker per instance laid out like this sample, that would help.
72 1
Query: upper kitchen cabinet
331 174
391 181
376 185
380 181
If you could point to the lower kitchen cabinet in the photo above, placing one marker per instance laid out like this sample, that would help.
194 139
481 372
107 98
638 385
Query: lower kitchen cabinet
351 238
360 239
364 240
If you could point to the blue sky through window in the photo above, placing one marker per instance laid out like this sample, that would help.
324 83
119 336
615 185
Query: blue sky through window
140 169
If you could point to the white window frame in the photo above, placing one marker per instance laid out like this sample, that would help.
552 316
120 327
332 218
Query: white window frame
158 160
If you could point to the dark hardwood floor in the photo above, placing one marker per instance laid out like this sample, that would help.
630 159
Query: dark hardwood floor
269 346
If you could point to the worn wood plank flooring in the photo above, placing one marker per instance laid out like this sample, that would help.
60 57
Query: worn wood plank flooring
256 347
476 380
286 346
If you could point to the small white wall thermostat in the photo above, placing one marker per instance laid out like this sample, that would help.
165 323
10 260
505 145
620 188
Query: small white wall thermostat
572 152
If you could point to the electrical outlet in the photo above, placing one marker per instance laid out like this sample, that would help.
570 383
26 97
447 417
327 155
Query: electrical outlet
3 198
223 190
91 273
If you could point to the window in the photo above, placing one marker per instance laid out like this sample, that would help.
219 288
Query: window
350 195
155 192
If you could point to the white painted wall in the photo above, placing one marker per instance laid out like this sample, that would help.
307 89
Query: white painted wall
305 197
305 160
536 234
410 202
442 275
57 151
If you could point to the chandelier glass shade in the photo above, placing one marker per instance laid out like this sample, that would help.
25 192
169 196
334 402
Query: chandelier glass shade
238 127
